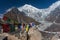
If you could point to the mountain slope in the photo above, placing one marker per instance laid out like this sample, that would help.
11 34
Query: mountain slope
35 13
54 15
31 11
53 28
16 15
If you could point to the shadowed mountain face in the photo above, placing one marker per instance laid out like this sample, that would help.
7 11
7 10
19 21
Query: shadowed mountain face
54 16
53 28
16 15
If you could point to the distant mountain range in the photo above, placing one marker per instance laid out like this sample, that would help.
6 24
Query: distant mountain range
39 14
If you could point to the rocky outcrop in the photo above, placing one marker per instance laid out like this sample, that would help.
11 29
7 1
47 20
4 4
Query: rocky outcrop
34 34
12 37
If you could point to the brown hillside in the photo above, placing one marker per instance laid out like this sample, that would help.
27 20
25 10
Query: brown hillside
15 14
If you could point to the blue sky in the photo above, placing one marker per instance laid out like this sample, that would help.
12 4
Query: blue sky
5 4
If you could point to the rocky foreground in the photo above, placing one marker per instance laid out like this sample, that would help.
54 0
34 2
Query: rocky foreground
33 34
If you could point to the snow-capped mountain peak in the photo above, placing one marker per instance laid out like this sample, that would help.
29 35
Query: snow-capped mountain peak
36 13
28 7
31 11
31 8
54 6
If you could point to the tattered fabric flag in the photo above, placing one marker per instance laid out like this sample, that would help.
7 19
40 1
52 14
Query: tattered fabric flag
12 21
8 20
27 28
12 28
5 18
23 26
20 26
16 22
5 27
32 24
16 27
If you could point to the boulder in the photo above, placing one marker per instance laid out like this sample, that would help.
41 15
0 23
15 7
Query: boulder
34 34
